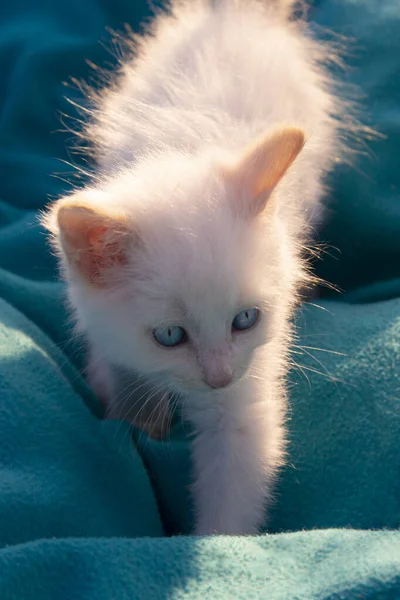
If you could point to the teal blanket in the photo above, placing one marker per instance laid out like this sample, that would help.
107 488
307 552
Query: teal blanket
87 510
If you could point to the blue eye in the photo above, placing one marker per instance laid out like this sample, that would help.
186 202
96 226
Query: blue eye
246 319
169 336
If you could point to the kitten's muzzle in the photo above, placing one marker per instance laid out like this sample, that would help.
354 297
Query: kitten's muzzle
217 367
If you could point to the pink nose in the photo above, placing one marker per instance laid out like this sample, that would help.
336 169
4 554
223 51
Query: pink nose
219 380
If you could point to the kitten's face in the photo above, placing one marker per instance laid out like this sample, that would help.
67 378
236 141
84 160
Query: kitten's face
202 312
176 268
196 301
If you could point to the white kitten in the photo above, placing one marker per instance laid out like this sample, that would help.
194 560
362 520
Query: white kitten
183 256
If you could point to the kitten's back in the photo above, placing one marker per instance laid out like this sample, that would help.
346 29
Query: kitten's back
216 74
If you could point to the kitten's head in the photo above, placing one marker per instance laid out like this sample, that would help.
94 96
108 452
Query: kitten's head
178 268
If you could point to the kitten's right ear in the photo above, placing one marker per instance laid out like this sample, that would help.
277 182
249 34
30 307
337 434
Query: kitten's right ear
93 238
261 166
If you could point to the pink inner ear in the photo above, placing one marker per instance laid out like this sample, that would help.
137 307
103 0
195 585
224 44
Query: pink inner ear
93 242
105 251
101 255
261 167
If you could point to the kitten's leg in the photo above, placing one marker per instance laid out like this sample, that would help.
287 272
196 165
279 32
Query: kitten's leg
99 378
130 398
236 452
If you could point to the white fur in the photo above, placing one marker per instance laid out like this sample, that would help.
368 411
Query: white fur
211 78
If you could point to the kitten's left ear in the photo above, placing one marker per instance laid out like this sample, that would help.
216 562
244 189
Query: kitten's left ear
262 165
93 237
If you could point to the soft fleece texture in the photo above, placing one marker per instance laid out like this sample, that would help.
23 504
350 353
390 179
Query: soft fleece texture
83 510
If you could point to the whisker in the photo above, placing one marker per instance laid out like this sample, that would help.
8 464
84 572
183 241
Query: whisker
126 417
301 369
321 350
